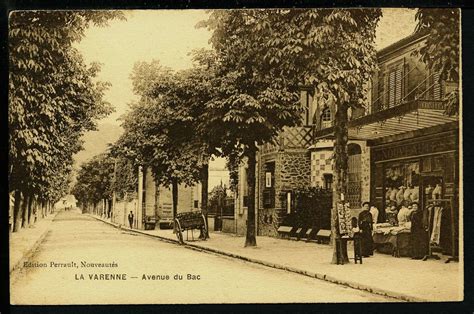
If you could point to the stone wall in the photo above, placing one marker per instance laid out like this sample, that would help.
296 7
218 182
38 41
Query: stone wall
267 217
292 171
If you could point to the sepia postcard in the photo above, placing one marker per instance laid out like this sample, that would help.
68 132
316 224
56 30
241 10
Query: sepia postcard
235 156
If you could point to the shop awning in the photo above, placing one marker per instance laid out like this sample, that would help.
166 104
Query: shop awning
407 117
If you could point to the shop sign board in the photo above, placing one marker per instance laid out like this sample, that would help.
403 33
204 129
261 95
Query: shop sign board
415 148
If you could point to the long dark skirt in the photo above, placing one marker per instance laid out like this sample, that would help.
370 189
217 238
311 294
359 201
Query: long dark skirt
367 242
419 236
419 242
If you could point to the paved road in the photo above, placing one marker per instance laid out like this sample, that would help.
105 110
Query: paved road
147 263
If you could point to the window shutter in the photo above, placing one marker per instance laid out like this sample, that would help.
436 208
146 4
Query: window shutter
398 84
391 88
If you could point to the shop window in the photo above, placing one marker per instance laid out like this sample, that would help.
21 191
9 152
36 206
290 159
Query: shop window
196 204
402 183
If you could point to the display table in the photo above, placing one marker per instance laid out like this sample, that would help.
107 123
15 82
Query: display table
395 240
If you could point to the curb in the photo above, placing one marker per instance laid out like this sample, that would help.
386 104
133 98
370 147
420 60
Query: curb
321 276
31 250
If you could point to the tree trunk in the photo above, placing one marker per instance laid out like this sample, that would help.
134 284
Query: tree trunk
340 178
16 211
175 201
31 205
34 209
204 196
250 239
157 202
24 211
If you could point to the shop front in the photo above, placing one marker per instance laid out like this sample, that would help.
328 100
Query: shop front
423 170
414 162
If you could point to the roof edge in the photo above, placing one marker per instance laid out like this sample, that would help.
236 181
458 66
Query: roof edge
416 36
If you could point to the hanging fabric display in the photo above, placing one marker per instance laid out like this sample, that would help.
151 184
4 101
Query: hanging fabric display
435 234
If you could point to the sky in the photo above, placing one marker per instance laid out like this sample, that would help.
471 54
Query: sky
168 36
165 35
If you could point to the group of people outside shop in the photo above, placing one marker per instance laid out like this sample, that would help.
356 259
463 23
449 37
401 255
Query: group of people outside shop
411 216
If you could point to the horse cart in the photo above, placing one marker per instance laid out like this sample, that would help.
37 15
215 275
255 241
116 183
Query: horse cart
189 221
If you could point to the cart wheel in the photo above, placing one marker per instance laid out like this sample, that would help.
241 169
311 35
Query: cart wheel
179 233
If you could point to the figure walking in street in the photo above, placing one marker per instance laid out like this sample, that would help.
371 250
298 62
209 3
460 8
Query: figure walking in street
130 219
365 226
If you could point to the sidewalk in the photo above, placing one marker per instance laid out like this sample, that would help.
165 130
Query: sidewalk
400 278
24 242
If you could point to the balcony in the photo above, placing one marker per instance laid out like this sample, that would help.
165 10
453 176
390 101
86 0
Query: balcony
406 117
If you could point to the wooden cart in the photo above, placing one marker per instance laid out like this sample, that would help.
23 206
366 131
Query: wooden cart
189 221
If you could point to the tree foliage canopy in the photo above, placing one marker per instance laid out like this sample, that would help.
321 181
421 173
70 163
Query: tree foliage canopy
53 97
264 56
95 180
159 129
441 49
253 103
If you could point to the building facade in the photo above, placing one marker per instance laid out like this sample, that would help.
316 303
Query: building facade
394 146
152 205
401 155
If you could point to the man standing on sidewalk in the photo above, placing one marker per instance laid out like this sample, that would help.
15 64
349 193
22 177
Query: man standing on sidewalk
130 219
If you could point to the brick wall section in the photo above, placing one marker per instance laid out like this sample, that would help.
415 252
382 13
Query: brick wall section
321 163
